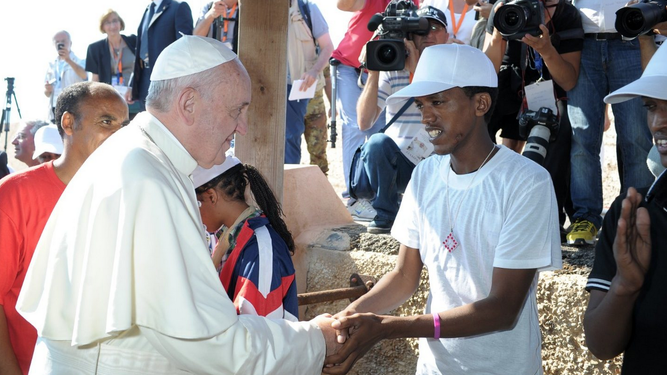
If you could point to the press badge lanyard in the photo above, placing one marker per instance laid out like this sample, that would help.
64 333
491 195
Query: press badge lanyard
117 79
225 24
457 25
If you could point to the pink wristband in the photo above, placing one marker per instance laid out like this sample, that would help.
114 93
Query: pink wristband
436 326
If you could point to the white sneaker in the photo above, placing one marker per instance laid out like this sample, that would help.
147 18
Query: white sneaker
362 210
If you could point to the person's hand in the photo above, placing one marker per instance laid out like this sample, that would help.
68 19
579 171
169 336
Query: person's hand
309 78
48 89
484 8
541 43
325 322
64 53
365 331
362 55
413 56
128 95
661 28
632 244
343 334
219 9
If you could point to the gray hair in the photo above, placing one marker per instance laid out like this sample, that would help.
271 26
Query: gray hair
162 93
36 124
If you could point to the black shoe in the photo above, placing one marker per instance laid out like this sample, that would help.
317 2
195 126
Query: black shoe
379 226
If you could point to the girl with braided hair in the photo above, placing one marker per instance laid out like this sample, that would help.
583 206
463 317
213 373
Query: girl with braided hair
254 246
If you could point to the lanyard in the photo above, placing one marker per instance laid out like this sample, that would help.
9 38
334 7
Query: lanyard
118 62
457 25
226 22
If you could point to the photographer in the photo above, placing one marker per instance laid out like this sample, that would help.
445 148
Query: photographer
608 62
65 70
524 61
387 159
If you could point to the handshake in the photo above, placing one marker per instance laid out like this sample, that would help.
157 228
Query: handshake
349 335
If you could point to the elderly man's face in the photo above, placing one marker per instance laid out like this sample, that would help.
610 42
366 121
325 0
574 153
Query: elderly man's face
98 117
24 144
437 35
657 124
62 38
225 113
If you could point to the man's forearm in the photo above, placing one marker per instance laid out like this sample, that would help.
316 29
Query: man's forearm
8 363
203 27
608 322
78 69
367 107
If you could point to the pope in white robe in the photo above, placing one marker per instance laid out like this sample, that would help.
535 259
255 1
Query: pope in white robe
122 282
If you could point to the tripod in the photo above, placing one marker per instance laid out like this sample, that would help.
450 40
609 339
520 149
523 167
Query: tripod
8 108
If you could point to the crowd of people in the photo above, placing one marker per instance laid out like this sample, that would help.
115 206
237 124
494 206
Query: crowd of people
136 242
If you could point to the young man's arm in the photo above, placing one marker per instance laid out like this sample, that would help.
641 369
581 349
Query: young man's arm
608 319
351 5
8 363
498 311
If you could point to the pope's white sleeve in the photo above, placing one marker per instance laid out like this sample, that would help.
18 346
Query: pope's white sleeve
252 346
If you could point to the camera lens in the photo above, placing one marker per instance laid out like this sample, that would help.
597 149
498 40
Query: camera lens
387 54
512 19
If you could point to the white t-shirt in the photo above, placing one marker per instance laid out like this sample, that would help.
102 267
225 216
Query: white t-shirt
508 220
599 16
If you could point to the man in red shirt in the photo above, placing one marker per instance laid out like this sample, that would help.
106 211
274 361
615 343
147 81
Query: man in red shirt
87 114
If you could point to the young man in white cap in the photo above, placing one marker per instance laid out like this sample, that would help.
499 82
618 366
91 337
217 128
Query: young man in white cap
48 144
86 114
628 303
122 280
458 217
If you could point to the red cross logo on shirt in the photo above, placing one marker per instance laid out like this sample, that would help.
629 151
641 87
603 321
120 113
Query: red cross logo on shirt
450 243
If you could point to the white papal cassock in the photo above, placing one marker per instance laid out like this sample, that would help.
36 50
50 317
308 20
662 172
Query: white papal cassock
122 283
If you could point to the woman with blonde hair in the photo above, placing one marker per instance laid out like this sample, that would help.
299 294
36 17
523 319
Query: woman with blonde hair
111 60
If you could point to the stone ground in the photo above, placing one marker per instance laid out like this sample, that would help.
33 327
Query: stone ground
561 298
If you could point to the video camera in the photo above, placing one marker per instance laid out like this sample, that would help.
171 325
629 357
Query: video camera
396 23
638 19
541 127
518 18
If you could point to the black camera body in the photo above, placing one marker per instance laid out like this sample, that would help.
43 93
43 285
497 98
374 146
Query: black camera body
60 46
638 19
517 18
538 128
396 23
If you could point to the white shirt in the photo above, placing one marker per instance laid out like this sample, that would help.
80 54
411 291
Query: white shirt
122 279
599 16
507 218
61 75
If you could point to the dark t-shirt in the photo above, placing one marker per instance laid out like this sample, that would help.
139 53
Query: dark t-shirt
647 344
566 17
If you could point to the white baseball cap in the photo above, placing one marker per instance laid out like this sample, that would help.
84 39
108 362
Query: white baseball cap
652 83
189 55
200 176
444 66
47 139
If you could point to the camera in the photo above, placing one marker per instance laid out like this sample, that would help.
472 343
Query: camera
60 46
518 18
396 23
542 127
639 19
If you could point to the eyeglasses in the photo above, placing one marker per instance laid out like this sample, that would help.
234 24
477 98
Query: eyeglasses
109 22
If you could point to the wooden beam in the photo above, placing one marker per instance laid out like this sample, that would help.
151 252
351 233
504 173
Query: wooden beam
263 51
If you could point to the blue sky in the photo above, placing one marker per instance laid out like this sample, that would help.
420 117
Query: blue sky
26 29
